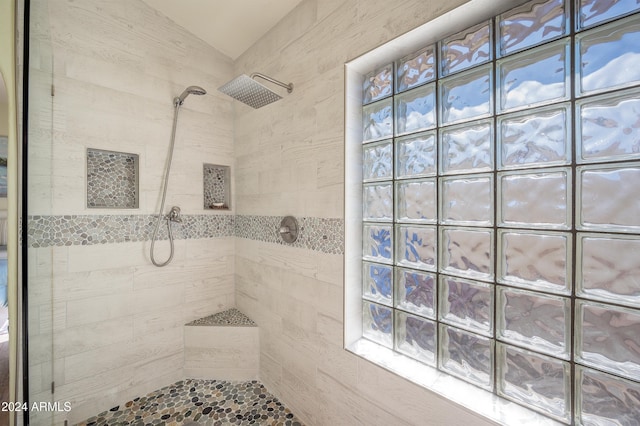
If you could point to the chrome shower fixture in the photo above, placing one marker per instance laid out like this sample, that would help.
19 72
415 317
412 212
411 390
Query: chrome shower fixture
191 90
248 91
175 215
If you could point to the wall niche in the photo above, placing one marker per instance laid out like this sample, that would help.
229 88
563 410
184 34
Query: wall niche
217 188
112 180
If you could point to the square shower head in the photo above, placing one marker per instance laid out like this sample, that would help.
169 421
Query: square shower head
248 91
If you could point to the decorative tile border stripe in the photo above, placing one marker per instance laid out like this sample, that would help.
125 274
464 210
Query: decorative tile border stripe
46 231
318 234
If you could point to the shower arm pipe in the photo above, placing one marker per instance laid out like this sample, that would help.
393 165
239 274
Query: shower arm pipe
289 86
177 104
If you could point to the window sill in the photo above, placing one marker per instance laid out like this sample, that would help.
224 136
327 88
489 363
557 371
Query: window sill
473 398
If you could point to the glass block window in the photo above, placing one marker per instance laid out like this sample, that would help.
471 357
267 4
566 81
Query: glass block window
501 207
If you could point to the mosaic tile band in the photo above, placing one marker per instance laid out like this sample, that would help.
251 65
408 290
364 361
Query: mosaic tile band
318 234
47 231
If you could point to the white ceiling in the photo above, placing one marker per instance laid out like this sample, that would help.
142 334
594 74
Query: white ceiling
231 26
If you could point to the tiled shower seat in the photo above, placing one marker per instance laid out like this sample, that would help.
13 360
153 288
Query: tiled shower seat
223 346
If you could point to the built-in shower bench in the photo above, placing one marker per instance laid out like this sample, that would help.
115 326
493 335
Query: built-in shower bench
223 346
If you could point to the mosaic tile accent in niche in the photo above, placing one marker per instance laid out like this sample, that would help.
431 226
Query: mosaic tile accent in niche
319 234
216 186
230 317
112 179
201 402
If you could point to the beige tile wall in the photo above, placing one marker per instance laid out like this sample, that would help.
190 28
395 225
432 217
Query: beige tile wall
221 353
113 322
117 67
290 161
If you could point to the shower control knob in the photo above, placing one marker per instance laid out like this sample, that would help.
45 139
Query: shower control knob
288 229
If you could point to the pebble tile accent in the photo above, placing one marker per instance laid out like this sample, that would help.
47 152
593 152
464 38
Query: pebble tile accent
318 234
215 185
47 231
231 317
112 179
200 402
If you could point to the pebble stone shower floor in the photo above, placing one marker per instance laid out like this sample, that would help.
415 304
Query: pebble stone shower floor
194 402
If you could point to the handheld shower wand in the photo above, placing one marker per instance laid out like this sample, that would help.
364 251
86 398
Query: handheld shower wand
174 214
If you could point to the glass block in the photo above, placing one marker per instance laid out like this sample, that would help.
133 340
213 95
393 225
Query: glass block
416 337
608 56
377 202
603 399
533 23
466 49
608 268
377 243
467 200
536 381
535 77
415 110
377 161
466 304
416 246
377 283
416 201
416 292
416 155
593 12
467 148
607 338
467 252
609 198
535 260
608 128
466 96
466 355
377 323
377 84
416 69
535 138
535 200
534 321
377 120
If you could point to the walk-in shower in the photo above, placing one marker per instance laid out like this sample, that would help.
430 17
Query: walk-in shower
247 90
174 214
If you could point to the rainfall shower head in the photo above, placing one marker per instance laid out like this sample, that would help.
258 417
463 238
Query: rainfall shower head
246 90
191 90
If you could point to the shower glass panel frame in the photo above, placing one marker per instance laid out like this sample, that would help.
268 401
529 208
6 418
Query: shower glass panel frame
37 192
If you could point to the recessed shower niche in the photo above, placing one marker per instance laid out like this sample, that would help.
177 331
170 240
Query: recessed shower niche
217 188
112 180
